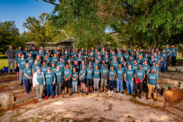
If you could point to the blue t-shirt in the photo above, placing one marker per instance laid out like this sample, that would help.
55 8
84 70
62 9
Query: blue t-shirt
62 65
18 51
140 74
49 78
129 74
74 75
164 55
22 64
26 53
58 75
115 65
120 73
167 50
89 73
54 60
67 73
53 69
28 72
44 69
152 78
104 72
174 52
96 73
111 74
17 59
34 67
40 78
146 68
30 61
135 67
156 69
83 71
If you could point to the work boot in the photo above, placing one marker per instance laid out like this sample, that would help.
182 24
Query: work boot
101 89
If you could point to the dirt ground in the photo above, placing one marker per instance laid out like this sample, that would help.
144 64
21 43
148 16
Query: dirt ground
94 107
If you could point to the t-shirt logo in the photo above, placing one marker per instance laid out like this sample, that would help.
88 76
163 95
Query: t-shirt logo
129 72
28 71
152 78
48 76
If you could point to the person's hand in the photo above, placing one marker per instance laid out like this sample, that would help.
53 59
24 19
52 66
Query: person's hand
65 79
53 83
125 80
79 78
141 81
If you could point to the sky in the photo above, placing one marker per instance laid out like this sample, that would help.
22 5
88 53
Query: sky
20 10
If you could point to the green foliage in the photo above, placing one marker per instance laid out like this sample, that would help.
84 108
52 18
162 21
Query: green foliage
40 30
8 34
144 23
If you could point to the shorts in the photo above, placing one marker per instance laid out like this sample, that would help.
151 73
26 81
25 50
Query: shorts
103 82
17 69
88 82
68 83
82 80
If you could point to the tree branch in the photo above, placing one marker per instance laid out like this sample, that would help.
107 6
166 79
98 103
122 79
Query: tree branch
51 3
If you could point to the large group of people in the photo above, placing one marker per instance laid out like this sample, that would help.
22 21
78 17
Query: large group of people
132 69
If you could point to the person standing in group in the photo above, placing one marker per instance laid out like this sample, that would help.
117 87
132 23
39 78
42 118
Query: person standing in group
104 75
139 78
10 53
174 52
168 52
164 55
30 60
96 78
44 67
129 77
19 50
27 77
82 77
67 78
89 73
34 66
58 84
112 75
50 81
21 65
155 67
16 64
152 82
39 82
74 80
146 68
120 73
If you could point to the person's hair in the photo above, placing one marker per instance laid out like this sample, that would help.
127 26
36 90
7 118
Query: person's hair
154 62
44 61
22 54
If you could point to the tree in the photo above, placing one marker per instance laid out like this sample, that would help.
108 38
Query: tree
40 30
8 34
145 23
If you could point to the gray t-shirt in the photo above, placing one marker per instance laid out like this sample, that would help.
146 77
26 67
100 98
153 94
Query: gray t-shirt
10 53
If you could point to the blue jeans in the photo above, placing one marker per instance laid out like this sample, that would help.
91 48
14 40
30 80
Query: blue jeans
129 85
111 83
49 88
74 86
164 66
119 85
27 82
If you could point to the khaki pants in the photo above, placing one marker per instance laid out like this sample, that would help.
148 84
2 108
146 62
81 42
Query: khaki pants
151 89
39 91
103 82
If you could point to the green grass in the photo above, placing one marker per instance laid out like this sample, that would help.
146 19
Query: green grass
3 61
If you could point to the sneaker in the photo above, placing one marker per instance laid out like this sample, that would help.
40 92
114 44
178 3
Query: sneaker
140 97
20 84
117 92
27 92
109 91
52 96
122 92
112 91
17 77
134 96
147 98
155 100
46 97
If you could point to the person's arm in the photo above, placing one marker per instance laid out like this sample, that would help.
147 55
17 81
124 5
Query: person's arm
125 77
143 78
43 78
157 82
27 76
147 80
82 75
54 80
76 77
113 76
69 77
134 76
148 71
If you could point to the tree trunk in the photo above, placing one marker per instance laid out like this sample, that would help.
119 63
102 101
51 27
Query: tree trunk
102 44
182 52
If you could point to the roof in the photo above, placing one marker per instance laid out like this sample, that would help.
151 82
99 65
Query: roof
68 40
